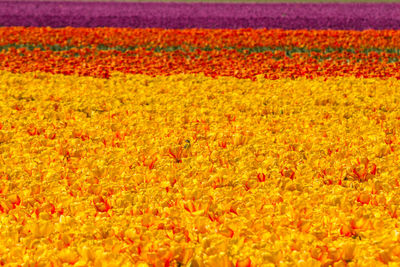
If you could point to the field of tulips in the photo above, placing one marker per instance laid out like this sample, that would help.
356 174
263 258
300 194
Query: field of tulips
210 135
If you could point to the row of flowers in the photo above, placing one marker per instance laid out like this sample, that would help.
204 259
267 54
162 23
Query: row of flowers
200 15
57 21
218 38
225 62
186 169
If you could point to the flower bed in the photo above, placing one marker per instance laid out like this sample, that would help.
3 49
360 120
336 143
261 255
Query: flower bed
273 54
198 147
350 16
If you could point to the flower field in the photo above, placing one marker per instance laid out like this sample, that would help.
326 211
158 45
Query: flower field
129 138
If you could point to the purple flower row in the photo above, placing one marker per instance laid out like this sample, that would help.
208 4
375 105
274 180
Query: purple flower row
200 15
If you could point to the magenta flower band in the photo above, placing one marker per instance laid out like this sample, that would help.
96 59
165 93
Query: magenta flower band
338 16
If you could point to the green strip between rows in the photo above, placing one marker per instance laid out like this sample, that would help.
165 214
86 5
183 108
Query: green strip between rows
289 51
